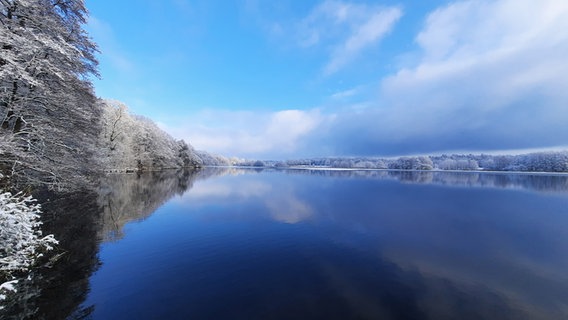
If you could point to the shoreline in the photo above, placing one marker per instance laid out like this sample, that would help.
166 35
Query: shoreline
545 173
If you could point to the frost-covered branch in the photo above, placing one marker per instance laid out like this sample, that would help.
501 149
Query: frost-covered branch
21 240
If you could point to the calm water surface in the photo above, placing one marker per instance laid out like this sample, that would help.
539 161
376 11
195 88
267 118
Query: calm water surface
239 244
295 245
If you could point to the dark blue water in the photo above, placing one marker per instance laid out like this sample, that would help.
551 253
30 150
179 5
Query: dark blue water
301 245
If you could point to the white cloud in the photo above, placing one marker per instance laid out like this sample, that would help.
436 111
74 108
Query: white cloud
366 34
244 133
347 28
341 95
323 21
286 127
486 75
484 64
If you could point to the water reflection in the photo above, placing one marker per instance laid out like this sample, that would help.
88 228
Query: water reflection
135 197
281 202
308 244
363 244
80 221
288 208
409 251
536 181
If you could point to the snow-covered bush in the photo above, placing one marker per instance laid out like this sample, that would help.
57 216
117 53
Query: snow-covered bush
21 240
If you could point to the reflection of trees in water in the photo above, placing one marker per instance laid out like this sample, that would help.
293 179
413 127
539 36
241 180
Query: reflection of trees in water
78 221
536 182
125 198
134 197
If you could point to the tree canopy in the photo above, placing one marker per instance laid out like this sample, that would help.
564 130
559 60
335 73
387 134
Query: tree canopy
48 115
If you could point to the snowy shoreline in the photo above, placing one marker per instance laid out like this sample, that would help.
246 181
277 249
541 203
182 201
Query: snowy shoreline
545 173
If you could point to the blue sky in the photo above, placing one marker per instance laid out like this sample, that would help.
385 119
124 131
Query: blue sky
290 78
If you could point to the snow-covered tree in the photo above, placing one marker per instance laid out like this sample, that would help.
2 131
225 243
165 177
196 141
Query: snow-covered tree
209 159
412 163
48 117
21 240
542 161
461 164
556 161
364 164
135 143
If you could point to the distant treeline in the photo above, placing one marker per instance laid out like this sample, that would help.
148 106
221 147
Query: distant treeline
552 161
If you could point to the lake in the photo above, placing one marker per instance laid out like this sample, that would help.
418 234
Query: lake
315 244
